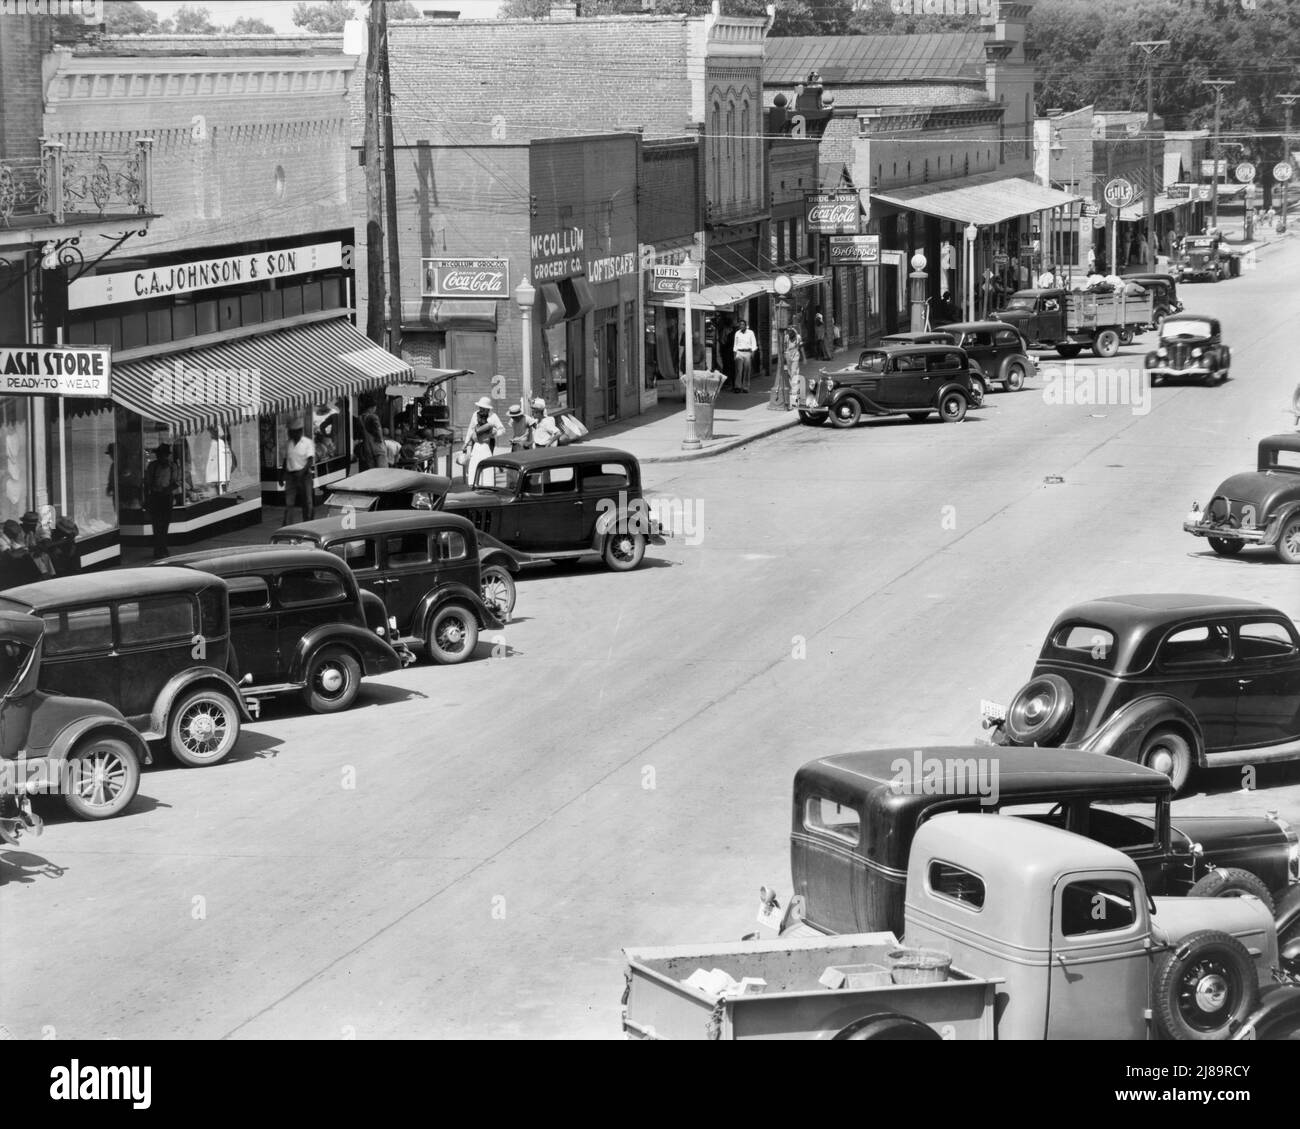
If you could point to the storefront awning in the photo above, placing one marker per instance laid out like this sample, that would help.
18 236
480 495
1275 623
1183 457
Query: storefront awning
425 377
552 305
241 379
449 313
982 200
728 295
1138 209
578 298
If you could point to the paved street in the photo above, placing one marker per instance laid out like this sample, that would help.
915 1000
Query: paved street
465 853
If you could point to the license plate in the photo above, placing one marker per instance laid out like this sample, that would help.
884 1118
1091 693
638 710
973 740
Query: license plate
992 710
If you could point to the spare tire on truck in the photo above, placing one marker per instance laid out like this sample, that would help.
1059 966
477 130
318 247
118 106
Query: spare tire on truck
889 1025
1204 987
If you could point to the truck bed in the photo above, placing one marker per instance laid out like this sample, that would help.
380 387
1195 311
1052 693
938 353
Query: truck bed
1086 311
794 1004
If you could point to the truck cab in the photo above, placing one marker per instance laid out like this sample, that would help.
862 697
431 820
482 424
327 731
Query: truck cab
1038 315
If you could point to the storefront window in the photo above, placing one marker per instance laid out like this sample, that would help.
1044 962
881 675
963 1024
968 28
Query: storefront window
555 365
213 463
80 458
331 430
15 469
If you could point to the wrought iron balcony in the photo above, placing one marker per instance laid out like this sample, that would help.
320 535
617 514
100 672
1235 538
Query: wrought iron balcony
62 185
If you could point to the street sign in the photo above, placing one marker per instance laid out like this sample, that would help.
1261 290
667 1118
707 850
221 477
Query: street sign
1245 172
855 250
1215 169
674 281
1119 192
1178 191
1091 209
1282 171
1099 222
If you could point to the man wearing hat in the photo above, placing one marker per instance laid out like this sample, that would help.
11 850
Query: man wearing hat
545 431
159 484
485 427
521 434
299 470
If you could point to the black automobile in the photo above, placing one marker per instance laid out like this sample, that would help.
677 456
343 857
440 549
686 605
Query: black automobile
56 744
855 815
152 642
1164 293
1259 507
389 489
1190 348
299 623
422 564
996 352
911 380
562 503
1168 681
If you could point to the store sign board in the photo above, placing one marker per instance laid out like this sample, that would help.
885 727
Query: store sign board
892 258
855 250
1091 209
205 274
833 213
70 370
1179 191
557 254
1119 192
674 281
465 278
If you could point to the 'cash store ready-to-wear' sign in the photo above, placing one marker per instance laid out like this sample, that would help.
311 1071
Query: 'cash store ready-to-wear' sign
64 370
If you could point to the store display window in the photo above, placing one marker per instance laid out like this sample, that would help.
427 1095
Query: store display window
216 464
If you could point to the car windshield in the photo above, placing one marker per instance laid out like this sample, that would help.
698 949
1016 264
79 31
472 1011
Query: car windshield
1025 303
871 362
344 501
13 660
1172 330
497 478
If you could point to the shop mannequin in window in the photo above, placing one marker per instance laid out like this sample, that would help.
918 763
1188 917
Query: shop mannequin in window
221 462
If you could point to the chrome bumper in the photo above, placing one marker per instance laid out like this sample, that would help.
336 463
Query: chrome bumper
1250 536
1198 370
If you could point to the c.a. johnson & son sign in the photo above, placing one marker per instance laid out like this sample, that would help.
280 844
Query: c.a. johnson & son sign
206 274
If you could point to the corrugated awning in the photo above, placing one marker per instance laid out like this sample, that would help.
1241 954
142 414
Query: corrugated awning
982 200
728 295
1138 209
241 379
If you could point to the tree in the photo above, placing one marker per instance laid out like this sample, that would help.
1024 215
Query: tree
193 21
403 10
322 19
126 17
250 25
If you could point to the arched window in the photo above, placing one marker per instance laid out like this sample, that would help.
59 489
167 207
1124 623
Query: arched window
731 151
746 147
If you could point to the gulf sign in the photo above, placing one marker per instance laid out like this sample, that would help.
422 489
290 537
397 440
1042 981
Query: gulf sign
833 213
465 278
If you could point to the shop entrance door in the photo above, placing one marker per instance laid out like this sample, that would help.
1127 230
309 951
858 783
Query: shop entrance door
607 342
577 356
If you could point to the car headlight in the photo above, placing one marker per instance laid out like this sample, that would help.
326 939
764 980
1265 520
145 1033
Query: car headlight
829 384
1162 352
1196 353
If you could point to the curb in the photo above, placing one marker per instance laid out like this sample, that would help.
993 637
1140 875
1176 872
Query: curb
727 444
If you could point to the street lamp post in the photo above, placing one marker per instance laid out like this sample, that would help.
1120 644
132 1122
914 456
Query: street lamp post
525 296
1218 84
1056 149
918 280
971 233
1149 48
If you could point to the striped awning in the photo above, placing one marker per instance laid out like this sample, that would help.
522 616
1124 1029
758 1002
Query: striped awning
279 371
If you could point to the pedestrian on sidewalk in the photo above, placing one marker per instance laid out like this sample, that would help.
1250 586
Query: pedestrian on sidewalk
744 347
788 372
298 468
159 485
481 436
545 431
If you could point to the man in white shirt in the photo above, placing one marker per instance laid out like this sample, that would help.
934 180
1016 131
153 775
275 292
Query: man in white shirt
299 470
546 432
744 346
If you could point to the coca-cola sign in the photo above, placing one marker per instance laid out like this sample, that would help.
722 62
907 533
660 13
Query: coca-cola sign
466 278
833 213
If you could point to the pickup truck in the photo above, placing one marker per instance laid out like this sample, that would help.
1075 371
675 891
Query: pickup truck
1069 320
1049 936
1206 257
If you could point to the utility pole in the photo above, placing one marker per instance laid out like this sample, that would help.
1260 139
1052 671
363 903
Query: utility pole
1149 48
390 188
1218 84
1287 100
374 184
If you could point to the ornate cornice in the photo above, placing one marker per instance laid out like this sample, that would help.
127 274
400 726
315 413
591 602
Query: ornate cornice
78 80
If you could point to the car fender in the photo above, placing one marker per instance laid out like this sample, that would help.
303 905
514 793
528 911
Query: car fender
1278 1004
461 594
614 521
1287 916
494 552
1121 735
375 655
186 680
954 386
1279 518
74 732
839 395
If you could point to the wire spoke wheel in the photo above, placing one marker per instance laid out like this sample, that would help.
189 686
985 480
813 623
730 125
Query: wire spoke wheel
204 728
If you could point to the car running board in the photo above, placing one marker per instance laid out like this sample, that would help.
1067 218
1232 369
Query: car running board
1265 753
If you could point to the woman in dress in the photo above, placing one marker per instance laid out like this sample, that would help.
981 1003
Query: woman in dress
485 427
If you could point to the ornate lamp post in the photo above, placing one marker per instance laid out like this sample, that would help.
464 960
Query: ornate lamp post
918 280
525 296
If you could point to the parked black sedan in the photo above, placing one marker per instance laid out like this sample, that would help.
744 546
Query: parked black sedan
911 380
1190 348
1259 507
996 351
299 623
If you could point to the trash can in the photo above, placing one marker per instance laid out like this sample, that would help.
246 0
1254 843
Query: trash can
703 421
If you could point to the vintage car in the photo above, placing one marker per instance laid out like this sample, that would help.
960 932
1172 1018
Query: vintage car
1205 257
1012 930
996 352
387 489
1169 681
422 564
911 380
562 503
855 815
919 337
154 642
1259 507
79 748
299 624
1190 348
1163 289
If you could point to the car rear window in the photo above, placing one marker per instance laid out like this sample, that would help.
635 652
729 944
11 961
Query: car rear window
1265 639
830 817
77 630
949 881
1005 337
1085 643
1097 906
943 362
604 476
1284 460
155 619
248 593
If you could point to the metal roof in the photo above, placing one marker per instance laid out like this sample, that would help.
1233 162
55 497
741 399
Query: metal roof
857 59
983 199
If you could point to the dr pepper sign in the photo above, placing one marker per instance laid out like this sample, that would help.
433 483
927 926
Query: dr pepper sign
465 278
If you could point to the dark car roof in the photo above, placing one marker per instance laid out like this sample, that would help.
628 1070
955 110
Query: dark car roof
1167 279
246 559
1283 441
18 625
1187 315
148 581
1020 770
894 350
389 480
553 456
380 521
963 326
926 337
1158 608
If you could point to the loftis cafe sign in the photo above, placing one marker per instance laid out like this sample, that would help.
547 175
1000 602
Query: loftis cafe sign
833 213
465 278
205 274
